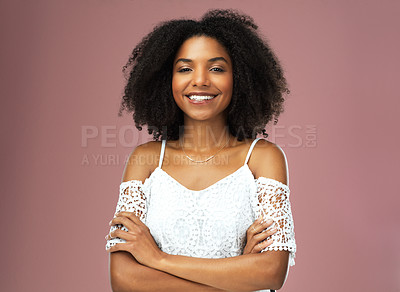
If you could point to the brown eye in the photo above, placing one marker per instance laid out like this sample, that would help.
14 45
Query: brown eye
217 69
184 70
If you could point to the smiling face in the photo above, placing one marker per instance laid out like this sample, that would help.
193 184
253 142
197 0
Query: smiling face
202 79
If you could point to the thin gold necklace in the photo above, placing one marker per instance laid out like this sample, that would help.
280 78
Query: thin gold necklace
207 159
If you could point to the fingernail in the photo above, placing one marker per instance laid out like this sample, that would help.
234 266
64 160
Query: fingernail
110 222
273 229
269 221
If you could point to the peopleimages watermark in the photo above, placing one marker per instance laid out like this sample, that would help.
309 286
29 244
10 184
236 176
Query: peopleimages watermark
117 159
294 136
111 136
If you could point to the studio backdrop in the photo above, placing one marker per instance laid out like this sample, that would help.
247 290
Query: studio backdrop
64 146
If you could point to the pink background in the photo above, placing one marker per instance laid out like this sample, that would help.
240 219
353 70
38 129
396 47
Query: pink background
61 72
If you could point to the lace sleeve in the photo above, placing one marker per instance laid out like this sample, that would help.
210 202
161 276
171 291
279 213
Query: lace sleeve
273 202
131 199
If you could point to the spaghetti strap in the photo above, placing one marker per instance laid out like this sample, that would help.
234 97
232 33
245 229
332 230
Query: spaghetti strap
162 153
251 149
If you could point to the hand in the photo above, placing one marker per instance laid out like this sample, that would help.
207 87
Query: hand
139 241
256 237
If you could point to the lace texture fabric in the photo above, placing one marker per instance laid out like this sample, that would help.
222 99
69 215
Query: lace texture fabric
273 202
131 199
210 223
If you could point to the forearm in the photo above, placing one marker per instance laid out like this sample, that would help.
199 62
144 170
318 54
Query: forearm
126 274
241 273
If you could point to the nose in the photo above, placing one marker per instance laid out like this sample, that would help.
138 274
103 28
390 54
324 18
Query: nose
200 78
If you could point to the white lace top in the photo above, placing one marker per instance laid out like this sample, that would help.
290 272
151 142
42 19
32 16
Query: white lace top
210 223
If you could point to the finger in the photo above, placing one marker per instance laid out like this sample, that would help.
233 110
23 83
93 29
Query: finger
262 245
271 231
119 247
131 216
111 235
126 222
127 236
125 219
264 225
263 235
259 237
252 228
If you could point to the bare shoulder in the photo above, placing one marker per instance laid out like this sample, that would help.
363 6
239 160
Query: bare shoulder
142 161
268 160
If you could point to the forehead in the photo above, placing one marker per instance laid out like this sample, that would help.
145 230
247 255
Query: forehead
201 47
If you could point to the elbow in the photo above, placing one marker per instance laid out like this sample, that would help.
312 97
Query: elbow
275 276
115 281
277 284
274 279
116 275
121 274
118 281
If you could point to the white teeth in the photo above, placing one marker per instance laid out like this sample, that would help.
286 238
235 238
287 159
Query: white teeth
199 97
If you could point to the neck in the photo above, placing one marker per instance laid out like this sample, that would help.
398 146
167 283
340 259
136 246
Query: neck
203 136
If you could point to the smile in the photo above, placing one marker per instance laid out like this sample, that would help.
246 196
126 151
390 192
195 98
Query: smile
201 97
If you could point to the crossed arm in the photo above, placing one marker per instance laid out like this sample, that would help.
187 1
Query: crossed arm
127 274
138 264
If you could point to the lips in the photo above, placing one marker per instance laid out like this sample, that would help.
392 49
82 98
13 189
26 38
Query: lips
199 97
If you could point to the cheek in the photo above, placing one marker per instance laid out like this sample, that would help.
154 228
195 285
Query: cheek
177 90
174 87
177 85
231 85
229 88
228 85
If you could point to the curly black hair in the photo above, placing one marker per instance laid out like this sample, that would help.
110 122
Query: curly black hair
258 81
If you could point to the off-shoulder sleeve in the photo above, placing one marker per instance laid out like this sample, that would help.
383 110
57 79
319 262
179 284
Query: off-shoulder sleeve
132 198
273 202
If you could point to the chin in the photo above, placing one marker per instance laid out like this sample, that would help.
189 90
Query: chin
200 117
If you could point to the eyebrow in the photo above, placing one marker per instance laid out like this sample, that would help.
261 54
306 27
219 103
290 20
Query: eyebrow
210 60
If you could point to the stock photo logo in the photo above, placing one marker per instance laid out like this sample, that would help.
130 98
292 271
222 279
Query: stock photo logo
103 145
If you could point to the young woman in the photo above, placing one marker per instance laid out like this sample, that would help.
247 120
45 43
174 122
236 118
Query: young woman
207 207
